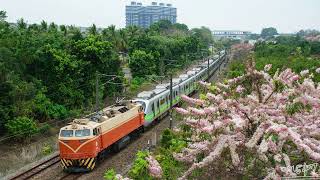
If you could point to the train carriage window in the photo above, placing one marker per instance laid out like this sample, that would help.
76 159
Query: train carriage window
82 133
66 133
162 101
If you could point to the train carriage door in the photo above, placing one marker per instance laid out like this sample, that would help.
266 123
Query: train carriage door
99 143
153 109
158 105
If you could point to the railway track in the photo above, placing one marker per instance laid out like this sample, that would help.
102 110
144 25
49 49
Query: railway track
37 169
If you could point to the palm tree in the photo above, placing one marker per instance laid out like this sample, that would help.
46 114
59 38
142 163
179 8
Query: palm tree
44 26
133 31
64 29
93 30
3 15
122 41
21 24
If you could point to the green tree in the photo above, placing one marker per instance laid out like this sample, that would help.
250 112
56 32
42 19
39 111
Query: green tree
142 63
44 25
21 24
3 15
93 30
268 32
22 127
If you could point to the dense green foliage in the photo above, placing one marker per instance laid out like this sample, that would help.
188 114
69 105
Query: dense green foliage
49 72
110 175
46 72
139 169
288 52
268 32
165 46
25 127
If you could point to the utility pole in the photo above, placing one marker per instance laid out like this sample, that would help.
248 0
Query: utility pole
97 91
161 68
212 50
171 100
208 69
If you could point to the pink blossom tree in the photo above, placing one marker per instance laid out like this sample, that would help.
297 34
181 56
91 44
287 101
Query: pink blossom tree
276 118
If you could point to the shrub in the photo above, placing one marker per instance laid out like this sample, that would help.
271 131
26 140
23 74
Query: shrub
45 127
57 111
47 149
45 109
136 83
110 175
167 136
139 169
22 127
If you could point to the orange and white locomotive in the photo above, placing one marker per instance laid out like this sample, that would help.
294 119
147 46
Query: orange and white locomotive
84 140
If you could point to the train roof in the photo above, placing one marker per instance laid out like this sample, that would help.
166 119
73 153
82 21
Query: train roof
176 81
93 120
146 94
158 91
191 73
196 69
163 86
184 76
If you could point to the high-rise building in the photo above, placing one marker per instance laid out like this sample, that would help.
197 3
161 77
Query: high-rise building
144 16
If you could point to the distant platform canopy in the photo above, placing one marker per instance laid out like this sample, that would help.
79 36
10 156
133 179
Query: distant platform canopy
235 34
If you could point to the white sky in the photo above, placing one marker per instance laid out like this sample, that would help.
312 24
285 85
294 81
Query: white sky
252 15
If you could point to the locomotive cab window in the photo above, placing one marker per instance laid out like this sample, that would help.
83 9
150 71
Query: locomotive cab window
82 133
66 133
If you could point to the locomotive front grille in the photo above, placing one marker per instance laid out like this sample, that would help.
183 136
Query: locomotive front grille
88 163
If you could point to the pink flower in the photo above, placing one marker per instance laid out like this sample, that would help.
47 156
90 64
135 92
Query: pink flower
204 84
192 100
208 129
210 110
239 89
120 177
304 73
197 112
182 111
154 167
260 122
267 67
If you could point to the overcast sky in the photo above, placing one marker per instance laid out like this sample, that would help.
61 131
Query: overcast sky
252 15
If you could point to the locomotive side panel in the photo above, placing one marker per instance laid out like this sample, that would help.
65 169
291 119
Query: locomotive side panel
121 131
120 126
